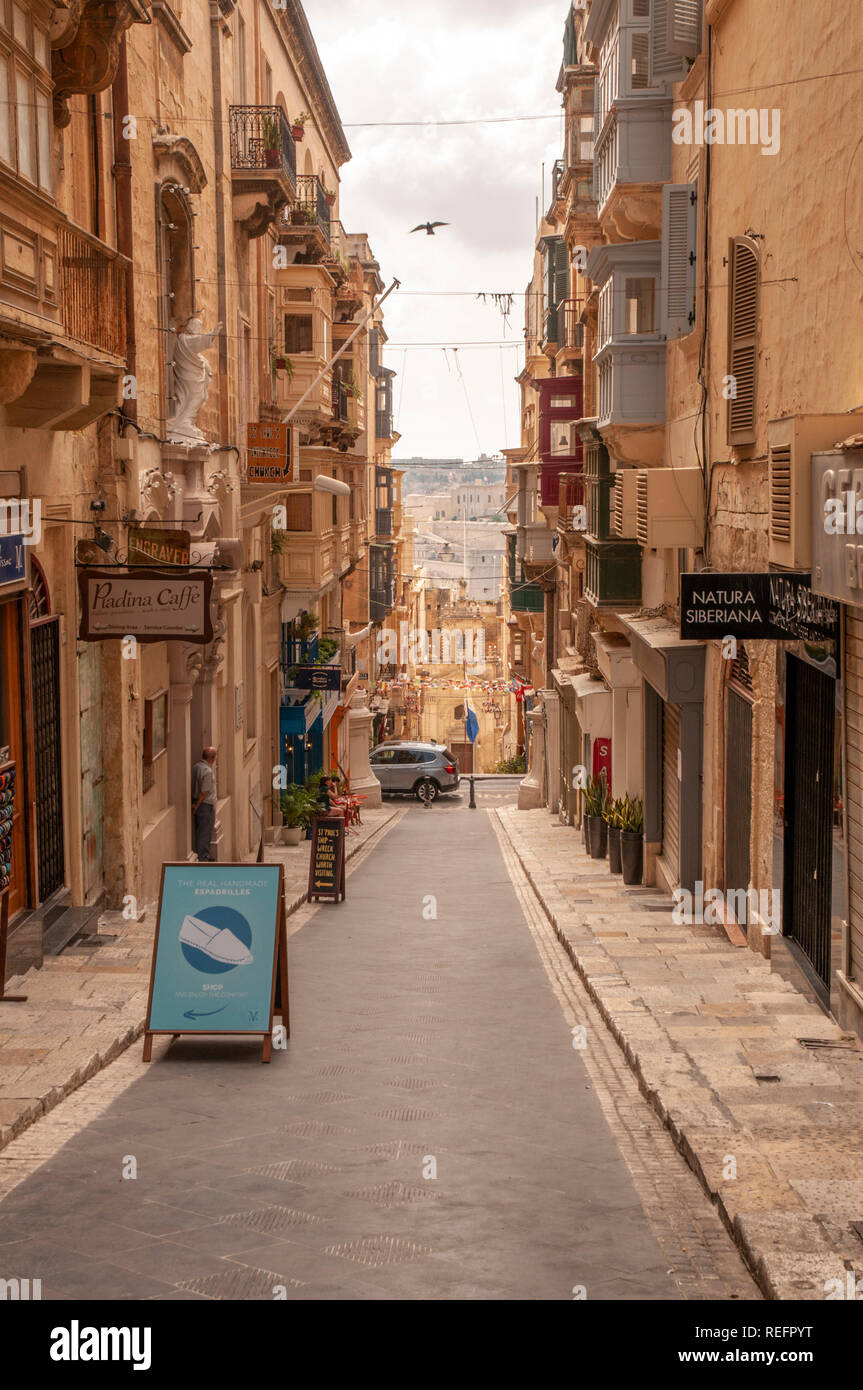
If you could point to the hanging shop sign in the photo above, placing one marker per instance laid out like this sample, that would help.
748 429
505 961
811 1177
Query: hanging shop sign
327 866
220 958
13 561
273 450
762 607
837 526
145 604
153 545
318 678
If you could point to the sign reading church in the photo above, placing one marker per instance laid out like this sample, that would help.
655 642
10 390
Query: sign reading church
273 452
762 607
145 604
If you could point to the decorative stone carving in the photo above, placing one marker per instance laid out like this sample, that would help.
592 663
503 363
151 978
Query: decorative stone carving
181 153
157 489
86 48
192 373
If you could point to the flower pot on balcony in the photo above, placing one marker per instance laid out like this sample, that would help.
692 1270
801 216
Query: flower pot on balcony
597 837
298 132
632 855
331 199
614 860
273 157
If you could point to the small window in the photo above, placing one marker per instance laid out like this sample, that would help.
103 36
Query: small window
561 402
640 305
298 333
296 292
585 139
640 62
563 440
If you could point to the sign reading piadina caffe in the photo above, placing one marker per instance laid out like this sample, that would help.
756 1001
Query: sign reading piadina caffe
145 604
763 607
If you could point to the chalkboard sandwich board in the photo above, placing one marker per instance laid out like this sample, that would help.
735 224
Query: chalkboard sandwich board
327 865
220 957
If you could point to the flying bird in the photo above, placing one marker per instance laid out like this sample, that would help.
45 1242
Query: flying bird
428 227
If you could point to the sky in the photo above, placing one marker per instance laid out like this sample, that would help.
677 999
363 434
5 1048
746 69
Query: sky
392 60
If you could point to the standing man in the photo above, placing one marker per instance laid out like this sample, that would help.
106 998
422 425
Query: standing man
204 803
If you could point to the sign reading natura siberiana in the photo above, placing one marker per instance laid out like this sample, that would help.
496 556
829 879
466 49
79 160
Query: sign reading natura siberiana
145 604
764 607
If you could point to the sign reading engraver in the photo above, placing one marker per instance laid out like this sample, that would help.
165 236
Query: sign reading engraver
220 955
272 453
145 604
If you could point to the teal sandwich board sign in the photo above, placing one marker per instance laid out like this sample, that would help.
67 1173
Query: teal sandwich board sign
220 959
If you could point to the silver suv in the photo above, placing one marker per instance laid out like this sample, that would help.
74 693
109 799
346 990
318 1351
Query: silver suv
421 768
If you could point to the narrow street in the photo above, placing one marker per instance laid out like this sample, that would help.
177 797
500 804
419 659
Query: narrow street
430 1133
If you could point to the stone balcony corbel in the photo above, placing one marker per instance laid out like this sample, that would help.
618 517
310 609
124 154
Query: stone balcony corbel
85 41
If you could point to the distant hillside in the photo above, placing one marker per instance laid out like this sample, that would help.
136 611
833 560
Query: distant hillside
423 476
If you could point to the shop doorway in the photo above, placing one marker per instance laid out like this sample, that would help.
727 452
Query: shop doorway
47 749
808 818
738 785
12 737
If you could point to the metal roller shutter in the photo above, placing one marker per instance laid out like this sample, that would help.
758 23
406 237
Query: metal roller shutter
854 782
670 789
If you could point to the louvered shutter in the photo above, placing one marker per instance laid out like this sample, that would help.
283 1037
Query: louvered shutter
561 272
665 65
679 243
743 296
596 92
670 789
684 27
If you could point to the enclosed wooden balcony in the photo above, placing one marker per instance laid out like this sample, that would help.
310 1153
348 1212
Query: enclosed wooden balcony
307 223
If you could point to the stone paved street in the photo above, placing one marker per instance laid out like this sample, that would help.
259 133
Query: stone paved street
430 1133
738 1063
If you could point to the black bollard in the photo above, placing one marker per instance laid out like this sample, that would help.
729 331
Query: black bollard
472 802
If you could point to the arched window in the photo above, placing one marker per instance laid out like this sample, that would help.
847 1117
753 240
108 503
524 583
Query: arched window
176 272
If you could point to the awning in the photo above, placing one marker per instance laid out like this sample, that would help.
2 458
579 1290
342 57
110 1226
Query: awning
673 665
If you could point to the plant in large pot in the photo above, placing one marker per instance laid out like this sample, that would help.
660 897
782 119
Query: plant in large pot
298 125
595 803
298 806
272 134
614 818
632 839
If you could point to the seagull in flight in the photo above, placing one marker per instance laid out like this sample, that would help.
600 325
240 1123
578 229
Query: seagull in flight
428 227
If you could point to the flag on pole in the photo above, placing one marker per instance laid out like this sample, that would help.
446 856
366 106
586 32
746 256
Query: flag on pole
471 724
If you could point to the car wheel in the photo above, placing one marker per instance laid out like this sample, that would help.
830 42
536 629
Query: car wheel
426 790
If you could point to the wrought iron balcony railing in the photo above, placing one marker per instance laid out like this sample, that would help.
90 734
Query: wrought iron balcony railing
311 207
261 139
570 332
340 402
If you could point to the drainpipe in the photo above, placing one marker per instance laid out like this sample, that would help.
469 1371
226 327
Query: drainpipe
123 185
221 267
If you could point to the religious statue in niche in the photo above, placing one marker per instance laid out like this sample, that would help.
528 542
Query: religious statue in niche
192 373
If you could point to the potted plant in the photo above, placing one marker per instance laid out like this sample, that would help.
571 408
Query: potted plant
305 625
632 839
280 362
595 803
297 127
615 812
297 809
278 541
272 141
330 196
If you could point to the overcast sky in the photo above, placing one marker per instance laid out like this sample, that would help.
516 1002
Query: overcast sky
443 60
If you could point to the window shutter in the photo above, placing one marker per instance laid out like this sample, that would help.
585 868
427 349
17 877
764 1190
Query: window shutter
561 272
596 91
665 65
684 27
679 248
743 296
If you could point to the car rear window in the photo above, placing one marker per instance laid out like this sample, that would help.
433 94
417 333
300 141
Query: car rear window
428 757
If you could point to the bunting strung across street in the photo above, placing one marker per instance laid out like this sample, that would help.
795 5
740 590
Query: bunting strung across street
413 683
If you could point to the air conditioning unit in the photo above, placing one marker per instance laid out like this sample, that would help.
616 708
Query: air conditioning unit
670 508
626 503
791 442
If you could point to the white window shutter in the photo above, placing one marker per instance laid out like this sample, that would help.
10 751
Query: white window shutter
684 27
665 66
679 258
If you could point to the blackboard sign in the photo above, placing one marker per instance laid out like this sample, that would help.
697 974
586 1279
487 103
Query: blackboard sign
318 678
327 867
763 607
220 952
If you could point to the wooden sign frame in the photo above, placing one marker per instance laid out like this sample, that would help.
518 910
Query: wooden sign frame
338 892
279 989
